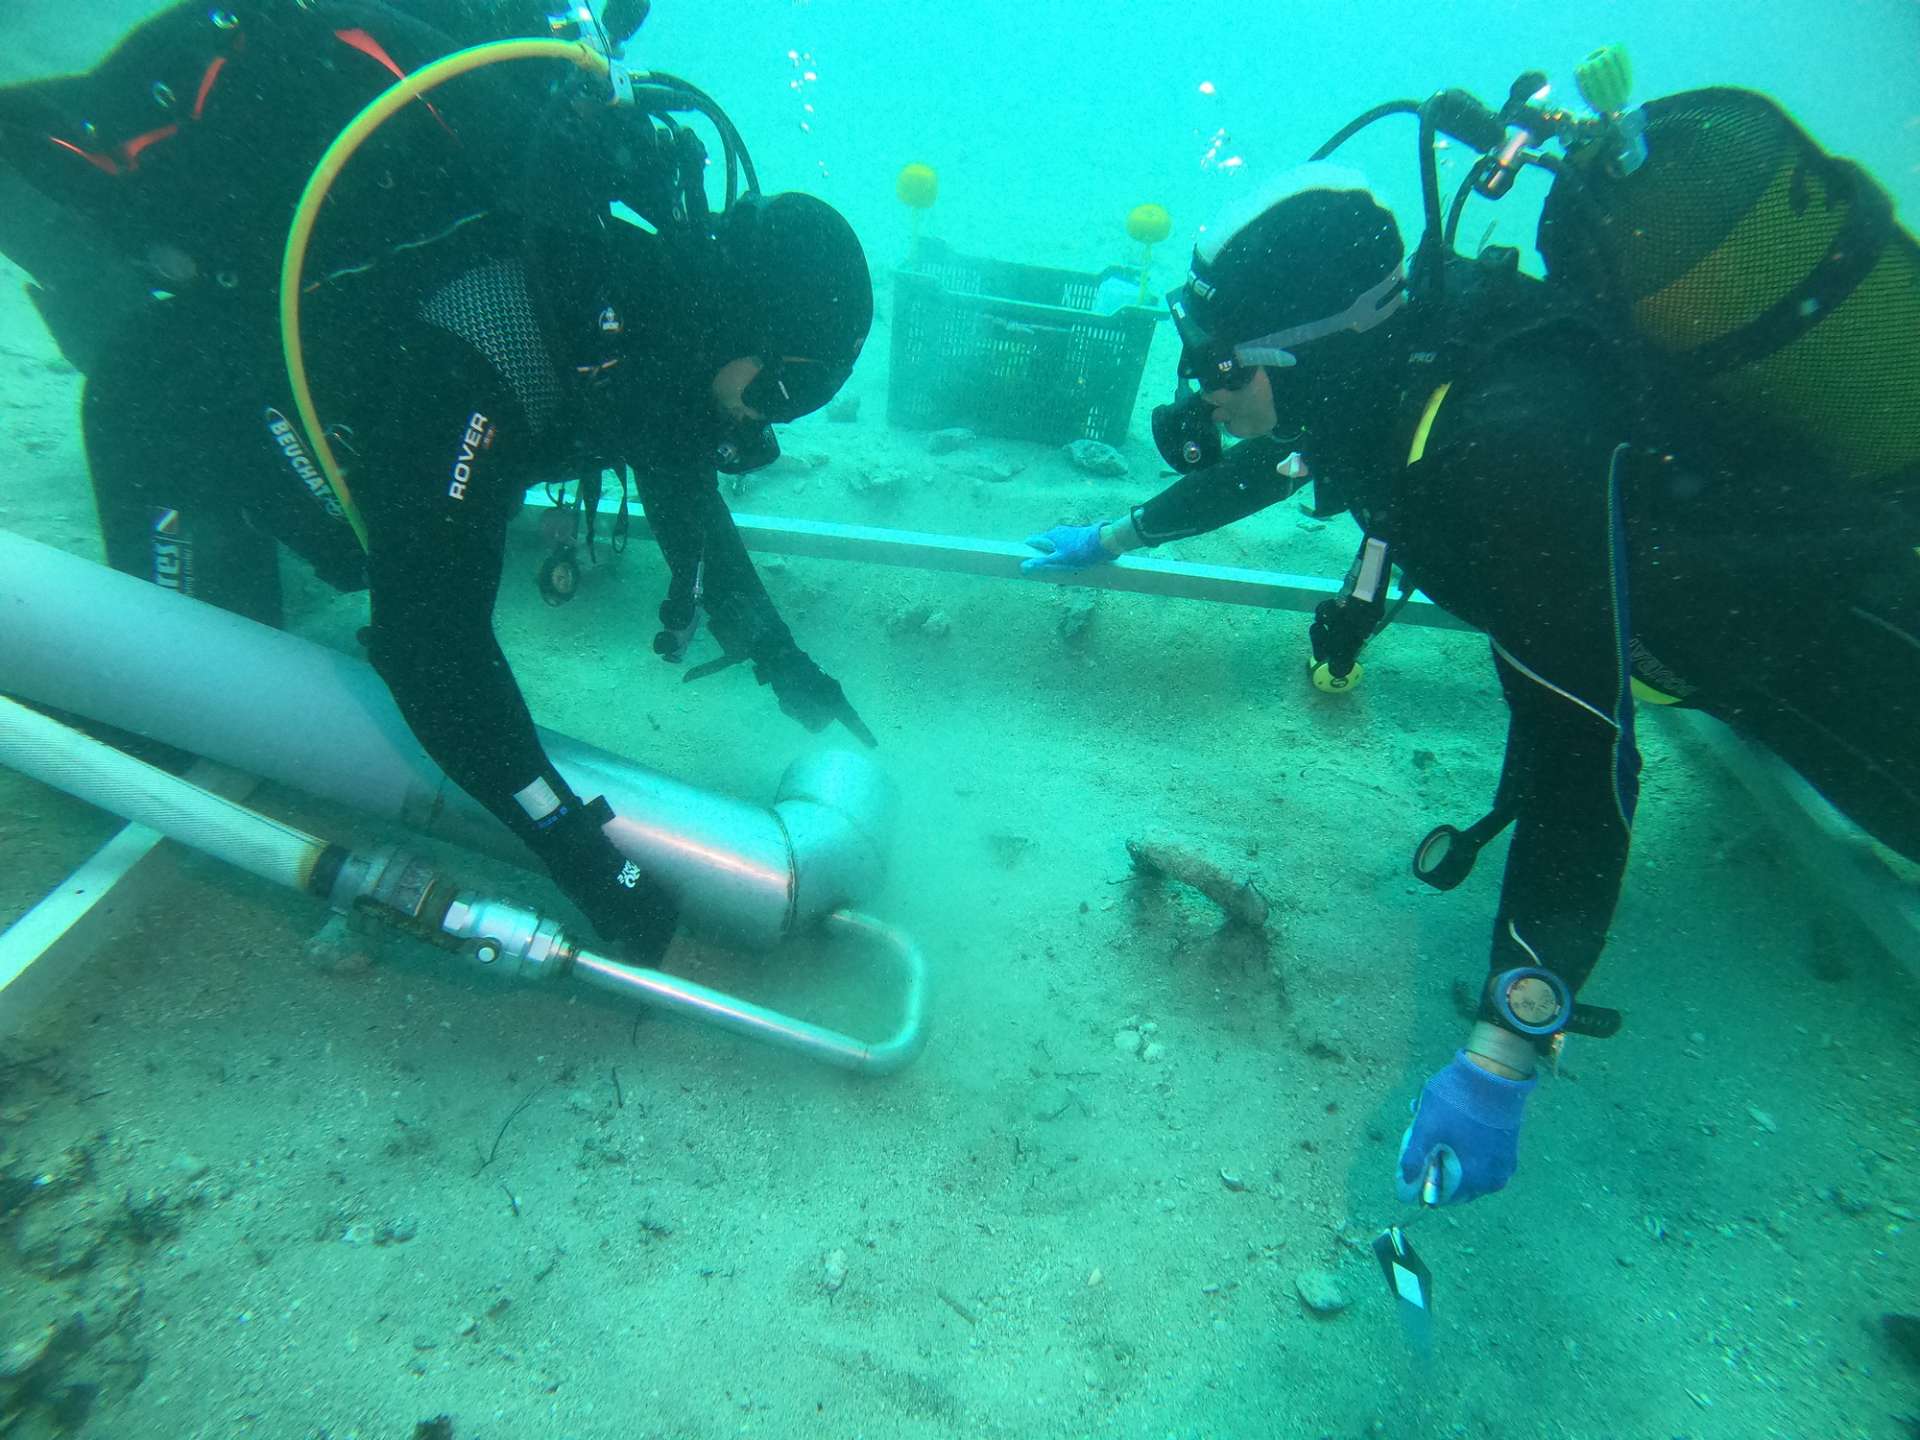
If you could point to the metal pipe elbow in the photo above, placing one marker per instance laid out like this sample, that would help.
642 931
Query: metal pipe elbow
836 808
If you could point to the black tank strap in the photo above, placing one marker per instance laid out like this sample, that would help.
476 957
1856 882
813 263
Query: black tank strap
1849 259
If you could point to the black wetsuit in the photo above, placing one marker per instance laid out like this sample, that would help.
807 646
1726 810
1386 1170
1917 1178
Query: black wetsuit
1789 609
176 161
459 352
448 401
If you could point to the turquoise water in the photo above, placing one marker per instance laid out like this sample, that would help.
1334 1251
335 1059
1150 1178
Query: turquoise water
253 1166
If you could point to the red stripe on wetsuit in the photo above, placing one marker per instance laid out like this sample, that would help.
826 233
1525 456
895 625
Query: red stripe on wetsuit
126 156
363 42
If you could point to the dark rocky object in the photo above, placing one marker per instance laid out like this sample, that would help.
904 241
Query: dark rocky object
71 1252
945 442
877 484
1077 609
1097 458
919 619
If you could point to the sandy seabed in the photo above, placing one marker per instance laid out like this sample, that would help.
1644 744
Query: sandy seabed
254 1186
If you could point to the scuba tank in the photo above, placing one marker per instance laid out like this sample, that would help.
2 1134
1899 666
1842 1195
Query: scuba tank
1715 244
1760 274
1768 273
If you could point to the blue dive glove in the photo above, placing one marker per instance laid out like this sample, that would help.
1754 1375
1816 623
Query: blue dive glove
1066 547
1470 1119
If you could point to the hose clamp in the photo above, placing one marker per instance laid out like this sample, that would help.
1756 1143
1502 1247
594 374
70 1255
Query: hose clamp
394 882
620 81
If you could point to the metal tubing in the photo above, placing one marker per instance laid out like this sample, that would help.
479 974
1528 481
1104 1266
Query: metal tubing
837 810
490 930
512 940
81 638
786 1032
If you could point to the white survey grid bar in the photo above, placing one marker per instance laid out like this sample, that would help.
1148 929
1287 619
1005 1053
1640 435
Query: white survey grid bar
1831 848
1000 559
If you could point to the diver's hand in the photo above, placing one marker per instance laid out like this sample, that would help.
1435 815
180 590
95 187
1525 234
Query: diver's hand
1468 1120
807 693
1066 547
622 902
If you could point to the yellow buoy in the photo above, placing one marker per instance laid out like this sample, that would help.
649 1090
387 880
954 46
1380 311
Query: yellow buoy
1149 224
918 186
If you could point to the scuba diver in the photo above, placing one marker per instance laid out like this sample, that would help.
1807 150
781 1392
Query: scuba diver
478 319
1531 462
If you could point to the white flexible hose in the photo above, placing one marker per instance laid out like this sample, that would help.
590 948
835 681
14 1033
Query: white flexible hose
89 770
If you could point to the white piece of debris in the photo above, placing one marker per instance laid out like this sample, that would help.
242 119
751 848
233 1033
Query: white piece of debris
833 1271
1320 1291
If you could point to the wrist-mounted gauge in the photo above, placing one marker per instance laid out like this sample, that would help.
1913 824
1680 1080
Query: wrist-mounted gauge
1537 1003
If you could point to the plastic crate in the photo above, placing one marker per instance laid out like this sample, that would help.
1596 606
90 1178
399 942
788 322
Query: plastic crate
1012 350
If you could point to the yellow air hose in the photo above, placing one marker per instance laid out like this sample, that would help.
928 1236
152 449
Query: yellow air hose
307 212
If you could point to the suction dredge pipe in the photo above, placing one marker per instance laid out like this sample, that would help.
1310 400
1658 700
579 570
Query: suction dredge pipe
411 895
80 638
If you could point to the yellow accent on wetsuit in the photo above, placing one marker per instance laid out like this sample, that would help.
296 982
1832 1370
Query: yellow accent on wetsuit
1320 672
1641 690
1425 427
377 112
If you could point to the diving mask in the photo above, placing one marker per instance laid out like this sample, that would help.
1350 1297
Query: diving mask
1214 364
789 386
745 446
